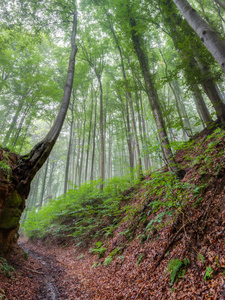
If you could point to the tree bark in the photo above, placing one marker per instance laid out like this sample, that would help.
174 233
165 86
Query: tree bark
221 3
68 157
43 184
89 136
93 143
82 155
130 103
208 36
153 98
200 103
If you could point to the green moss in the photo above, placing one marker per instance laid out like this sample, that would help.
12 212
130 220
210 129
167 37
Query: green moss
15 200
9 218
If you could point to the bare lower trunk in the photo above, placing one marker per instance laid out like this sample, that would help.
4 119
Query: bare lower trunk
44 184
68 158
130 104
153 99
201 106
82 155
93 144
102 140
89 136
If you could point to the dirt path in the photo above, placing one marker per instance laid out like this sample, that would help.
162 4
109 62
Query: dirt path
53 272
50 273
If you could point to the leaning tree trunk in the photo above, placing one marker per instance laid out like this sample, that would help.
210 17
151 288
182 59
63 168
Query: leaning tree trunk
221 3
15 179
208 36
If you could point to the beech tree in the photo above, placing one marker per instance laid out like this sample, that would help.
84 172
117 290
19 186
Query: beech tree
208 36
195 60
221 3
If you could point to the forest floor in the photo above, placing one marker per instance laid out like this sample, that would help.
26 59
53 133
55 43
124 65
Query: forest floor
135 265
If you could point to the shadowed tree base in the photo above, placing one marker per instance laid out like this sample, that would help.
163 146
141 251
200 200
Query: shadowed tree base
12 201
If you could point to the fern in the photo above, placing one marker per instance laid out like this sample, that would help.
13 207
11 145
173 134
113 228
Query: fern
177 268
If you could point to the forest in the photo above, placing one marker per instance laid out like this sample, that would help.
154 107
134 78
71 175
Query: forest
112 161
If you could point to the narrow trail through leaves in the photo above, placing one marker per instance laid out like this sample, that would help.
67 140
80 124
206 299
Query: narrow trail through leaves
48 289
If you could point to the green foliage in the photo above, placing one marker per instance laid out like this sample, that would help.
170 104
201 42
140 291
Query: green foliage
25 255
80 256
95 264
5 267
208 273
120 258
107 261
112 254
141 255
201 258
98 250
6 168
82 213
177 268
166 186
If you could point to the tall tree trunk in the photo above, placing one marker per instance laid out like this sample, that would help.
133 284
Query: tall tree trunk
34 199
110 153
93 143
43 184
147 160
76 181
82 155
89 135
49 187
126 121
153 98
129 140
21 123
14 120
17 188
178 101
183 108
208 36
221 3
102 139
200 103
68 158
130 103
211 91
74 154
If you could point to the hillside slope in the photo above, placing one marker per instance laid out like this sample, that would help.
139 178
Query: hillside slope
167 241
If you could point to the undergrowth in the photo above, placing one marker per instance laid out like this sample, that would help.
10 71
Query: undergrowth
87 214
82 213
6 268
